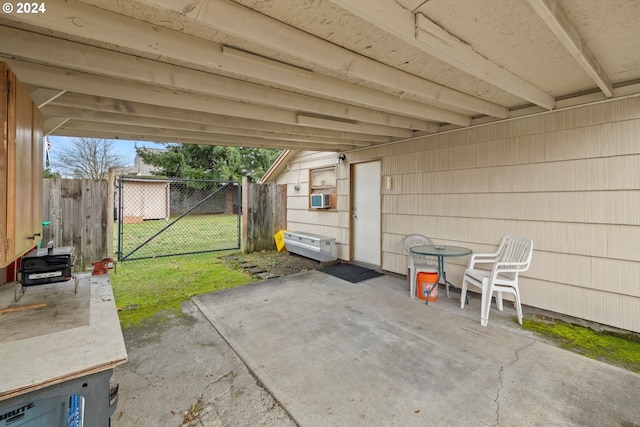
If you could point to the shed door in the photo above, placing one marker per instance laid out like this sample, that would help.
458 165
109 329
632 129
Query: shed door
365 212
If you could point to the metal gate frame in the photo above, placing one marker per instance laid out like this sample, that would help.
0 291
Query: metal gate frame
223 184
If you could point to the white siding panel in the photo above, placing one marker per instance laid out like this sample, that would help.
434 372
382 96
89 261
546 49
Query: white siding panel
297 203
392 242
568 179
395 262
598 274
609 173
314 216
579 207
617 310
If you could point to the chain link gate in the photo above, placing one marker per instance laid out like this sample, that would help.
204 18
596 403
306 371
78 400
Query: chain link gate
167 217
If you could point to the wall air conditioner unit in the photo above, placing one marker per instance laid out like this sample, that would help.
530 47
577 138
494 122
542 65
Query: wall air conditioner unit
320 201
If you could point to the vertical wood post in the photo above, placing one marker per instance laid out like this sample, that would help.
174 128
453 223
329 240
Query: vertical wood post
264 210
110 209
245 214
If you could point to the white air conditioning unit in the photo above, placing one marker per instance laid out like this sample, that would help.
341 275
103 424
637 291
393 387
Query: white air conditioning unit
320 201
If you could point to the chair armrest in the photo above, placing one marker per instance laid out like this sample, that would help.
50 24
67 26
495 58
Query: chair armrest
509 267
482 259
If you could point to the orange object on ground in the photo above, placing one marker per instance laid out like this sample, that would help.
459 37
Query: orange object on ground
101 267
424 282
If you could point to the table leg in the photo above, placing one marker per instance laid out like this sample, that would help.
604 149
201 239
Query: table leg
443 274
428 293
440 272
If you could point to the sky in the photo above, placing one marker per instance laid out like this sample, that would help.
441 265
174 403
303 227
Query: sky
123 147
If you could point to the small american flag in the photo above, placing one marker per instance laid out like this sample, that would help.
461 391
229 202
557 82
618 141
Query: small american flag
47 152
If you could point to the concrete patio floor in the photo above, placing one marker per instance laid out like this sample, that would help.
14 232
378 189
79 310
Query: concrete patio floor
335 353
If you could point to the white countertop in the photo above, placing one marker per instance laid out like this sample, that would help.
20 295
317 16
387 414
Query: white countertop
73 335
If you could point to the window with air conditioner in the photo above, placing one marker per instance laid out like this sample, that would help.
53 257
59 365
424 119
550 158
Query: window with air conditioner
323 188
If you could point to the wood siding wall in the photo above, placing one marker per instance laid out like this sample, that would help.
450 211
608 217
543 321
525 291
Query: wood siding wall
568 179
332 223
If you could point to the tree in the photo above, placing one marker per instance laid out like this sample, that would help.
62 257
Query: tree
46 173
90 158
210 161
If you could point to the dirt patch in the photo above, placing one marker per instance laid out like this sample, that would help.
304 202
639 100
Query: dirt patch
273 262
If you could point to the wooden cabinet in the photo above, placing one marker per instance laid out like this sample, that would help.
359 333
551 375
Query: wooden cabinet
20 169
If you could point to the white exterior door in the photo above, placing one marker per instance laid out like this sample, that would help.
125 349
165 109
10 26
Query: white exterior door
365 212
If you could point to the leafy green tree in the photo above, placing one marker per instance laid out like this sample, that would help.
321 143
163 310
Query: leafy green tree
209 161
46 173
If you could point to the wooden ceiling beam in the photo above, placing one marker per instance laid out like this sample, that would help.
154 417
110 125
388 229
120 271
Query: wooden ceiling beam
53 123
558 22
77 131
43 96
177 135
69 55
366 131
176 125
129 91
166 45
230 18
417 30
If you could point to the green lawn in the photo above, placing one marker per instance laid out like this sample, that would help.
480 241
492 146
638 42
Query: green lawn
189 234
146 287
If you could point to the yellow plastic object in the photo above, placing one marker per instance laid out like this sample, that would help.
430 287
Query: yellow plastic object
279 237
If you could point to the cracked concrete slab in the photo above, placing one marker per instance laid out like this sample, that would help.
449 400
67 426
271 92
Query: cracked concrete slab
181 372
365 354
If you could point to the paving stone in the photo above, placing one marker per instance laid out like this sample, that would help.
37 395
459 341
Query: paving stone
247 265
267 275
256 270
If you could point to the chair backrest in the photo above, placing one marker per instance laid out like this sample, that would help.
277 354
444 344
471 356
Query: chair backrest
414 240
517 250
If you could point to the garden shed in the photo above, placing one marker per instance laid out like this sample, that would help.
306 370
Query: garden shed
144 199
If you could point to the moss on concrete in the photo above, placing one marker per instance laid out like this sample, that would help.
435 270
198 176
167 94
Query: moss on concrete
616 348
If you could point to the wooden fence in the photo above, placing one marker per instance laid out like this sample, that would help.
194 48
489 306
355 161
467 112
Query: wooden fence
264 208
81 215
80 212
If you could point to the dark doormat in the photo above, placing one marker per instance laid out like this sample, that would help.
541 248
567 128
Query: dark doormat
349 272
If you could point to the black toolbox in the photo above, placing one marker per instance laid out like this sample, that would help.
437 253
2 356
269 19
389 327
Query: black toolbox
47 265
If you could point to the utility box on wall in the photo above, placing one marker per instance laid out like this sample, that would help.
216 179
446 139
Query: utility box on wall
320 248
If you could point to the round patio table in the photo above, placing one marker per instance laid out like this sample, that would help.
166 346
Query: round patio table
441 252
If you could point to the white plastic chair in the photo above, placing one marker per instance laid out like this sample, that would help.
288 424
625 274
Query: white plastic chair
417 263
512 258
